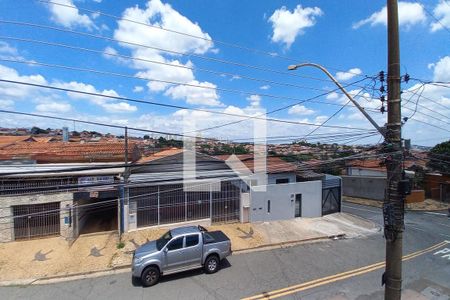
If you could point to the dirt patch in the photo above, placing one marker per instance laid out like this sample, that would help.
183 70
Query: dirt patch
428 204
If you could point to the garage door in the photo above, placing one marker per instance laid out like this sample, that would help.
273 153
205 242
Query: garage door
38 220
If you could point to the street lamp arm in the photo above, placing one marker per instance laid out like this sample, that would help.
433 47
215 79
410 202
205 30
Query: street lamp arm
362 110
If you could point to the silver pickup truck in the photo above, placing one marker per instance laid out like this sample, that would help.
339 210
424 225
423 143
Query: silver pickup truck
178 250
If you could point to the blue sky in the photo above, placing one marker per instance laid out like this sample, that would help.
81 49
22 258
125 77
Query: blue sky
343 36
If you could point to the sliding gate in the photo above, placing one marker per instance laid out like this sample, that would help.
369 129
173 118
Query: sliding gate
37 220
331 195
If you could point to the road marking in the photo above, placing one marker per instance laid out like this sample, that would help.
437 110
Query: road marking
337 277
435 213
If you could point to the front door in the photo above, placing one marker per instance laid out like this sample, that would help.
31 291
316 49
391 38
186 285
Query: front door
298 205
192 251
174 254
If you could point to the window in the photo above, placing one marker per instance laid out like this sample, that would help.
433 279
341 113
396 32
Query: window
162 241
192 240
268 206
282 180
176 244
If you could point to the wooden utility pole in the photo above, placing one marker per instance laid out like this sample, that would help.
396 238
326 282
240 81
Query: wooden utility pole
393 207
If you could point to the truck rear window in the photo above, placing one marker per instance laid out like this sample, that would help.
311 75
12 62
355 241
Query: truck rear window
191 240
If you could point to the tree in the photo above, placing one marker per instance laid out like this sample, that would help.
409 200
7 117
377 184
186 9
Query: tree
146 137
37 130
440 158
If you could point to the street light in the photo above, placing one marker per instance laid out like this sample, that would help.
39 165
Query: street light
368 117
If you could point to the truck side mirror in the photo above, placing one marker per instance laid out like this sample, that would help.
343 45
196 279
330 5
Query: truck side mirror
166 250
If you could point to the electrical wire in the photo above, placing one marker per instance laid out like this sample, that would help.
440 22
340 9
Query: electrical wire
159 27
97 36
219 73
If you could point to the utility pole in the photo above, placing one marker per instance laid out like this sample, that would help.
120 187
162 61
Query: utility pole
124 199
393 206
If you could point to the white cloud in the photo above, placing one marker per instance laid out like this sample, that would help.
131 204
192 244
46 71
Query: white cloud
119 107
68 16
264 87
254 100
320 119
442 70
332 96
409 14
6 103
288 25
138 89
108 104
194 95
442 13
158 14
54 107
344 76
14 90
300 110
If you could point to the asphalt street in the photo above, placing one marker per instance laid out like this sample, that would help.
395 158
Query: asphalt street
303 271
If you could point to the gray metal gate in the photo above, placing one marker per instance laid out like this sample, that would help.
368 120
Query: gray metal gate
331 196
166 204
37 220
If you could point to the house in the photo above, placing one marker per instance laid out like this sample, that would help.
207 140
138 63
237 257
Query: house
56 188
72 192
287 194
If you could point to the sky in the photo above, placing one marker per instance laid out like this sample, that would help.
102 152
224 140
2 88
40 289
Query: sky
224 59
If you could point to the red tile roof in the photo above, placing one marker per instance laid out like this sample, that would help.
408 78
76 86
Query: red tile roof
160 154
6 140
273 164
59 152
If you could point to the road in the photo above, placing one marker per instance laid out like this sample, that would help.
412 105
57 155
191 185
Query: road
304 271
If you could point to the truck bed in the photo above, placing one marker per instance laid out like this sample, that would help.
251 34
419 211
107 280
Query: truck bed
214 237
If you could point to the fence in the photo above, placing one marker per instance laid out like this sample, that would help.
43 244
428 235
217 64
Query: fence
165 204
39 220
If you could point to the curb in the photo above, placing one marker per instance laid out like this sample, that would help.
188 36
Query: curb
126 268
406 209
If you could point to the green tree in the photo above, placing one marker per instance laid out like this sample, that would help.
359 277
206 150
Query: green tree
440 158
37 130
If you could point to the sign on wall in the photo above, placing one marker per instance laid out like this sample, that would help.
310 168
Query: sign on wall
95 180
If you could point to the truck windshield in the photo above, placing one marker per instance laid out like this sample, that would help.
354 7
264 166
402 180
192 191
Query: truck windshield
162 241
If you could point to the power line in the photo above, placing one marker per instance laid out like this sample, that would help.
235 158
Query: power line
270 112
234 45
158 104
219 73
97 36
434 17
148 79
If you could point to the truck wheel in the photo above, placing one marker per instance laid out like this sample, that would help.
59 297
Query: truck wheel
150 276
212 264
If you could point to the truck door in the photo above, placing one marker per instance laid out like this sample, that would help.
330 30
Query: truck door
174 254
192 251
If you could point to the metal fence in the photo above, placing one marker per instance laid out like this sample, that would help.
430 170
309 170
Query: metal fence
10 187
37 220
331 195
165 204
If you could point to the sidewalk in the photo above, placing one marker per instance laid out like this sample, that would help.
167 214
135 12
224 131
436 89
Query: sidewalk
427 205
29 261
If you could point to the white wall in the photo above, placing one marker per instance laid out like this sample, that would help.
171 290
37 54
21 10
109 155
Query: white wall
282 201
355 171
272 178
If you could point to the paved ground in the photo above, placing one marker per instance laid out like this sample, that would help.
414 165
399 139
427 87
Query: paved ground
42 258
253 273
